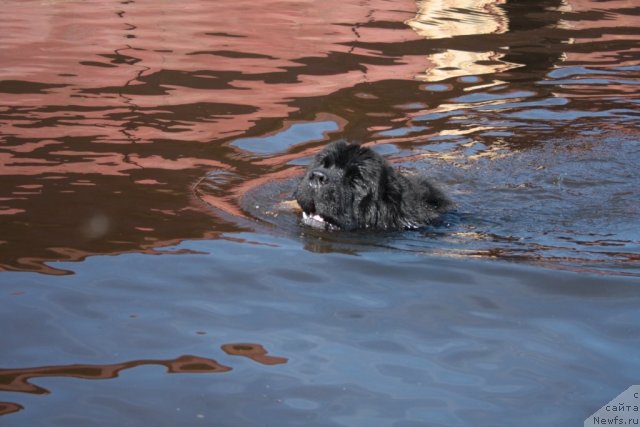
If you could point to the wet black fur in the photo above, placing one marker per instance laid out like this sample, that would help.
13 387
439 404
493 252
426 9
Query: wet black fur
352 187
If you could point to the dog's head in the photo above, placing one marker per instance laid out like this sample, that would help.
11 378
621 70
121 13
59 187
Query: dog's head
349 187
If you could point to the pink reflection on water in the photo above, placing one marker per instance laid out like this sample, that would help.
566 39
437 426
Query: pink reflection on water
110 58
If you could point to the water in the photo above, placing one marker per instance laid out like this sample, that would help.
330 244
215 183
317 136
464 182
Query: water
148 151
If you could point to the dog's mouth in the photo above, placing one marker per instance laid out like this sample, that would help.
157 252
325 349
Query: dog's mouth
318 221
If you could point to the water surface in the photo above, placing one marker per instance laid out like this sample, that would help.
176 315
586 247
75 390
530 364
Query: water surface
146 149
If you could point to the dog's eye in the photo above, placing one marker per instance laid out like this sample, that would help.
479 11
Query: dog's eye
327 162
352 173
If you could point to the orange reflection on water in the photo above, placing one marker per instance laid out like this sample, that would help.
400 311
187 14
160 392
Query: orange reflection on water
9 408
19 380
255 352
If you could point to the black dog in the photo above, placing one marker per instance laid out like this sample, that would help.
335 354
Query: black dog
350 187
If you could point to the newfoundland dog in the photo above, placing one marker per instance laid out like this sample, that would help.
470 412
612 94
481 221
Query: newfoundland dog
351 187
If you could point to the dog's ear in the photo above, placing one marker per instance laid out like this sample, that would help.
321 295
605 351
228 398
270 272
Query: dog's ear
389 186
360 165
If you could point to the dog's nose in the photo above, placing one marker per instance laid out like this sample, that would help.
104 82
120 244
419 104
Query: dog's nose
317 178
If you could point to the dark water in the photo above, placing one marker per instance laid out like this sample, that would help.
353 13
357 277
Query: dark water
148 151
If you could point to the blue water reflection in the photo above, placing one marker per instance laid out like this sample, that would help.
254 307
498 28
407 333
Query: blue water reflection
297 133
415 338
